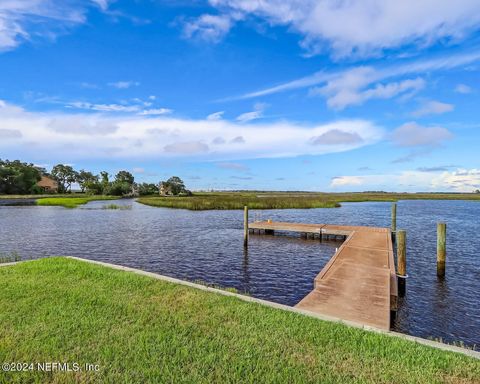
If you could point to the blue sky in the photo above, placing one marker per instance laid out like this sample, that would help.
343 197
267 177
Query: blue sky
241 94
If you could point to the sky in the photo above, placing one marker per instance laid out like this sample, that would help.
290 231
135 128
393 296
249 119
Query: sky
314 95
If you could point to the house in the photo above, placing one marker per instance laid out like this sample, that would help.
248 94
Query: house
48 184
165 189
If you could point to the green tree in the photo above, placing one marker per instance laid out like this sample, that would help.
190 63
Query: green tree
124 177
17 177
147 189
85 179
176 184
121 186
104 176
65 176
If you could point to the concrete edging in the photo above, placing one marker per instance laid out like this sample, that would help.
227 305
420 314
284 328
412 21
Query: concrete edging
415 339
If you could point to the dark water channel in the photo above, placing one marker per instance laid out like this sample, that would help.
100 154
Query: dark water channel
208 246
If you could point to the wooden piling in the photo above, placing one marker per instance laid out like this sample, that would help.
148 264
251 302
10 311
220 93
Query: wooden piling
394 218
401 261
245 226
441 248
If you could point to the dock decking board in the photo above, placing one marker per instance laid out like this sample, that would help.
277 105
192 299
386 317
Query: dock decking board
359 282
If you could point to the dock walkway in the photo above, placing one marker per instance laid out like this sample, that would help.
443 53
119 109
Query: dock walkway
359 282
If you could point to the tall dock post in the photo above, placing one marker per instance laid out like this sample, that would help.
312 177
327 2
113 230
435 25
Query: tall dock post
394 218
441 248
245 226
401 261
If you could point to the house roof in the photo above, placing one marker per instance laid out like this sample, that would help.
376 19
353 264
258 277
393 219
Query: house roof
48 182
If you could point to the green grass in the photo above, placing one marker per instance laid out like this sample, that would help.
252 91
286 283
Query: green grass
228 200
142 330
116 206
71 202
286 200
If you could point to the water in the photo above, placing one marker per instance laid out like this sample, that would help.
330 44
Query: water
208 246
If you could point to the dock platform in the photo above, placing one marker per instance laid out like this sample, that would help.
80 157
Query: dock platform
359 282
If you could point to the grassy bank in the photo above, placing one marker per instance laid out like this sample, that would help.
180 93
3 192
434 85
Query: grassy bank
71 202
141 330
284 200
229 200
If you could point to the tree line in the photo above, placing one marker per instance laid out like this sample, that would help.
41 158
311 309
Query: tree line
17 177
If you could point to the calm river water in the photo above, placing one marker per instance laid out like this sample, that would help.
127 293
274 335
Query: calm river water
208 246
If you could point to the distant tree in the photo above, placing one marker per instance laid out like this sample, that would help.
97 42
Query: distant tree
118 188
104 176
17 177
477 191
65 176
121 186
94 187
176 184
144 189
124 177
85 179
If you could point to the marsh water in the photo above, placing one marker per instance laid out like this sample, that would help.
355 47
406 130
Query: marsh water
207 246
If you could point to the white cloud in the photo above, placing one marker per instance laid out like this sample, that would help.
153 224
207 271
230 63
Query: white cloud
156 111
359 27
460 180
73 136
215 116
257 113
433 107
414 135
208 27
340 181
102 4
138 170
89 125
87 85
124 84
6 134
103 107
218 141
463 88
237 140
119 108
187 147
359 80
336 137
233 166
353 88
25 20
249 116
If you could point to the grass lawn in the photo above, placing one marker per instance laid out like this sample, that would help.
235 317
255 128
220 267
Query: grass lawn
285 200
71 202
142 330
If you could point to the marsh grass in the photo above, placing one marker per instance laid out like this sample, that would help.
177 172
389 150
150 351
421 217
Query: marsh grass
238 201
116 206
71 202
9 257
142 330
288 200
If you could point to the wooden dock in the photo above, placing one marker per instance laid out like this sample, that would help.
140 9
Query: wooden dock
359 282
